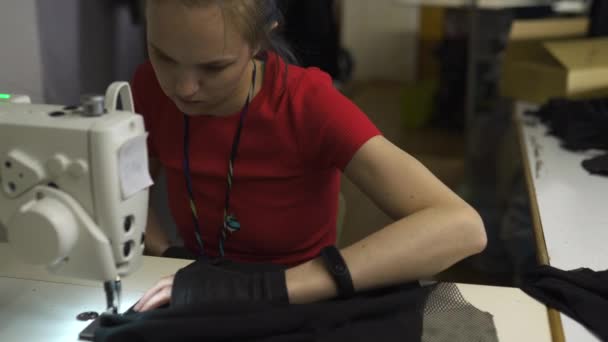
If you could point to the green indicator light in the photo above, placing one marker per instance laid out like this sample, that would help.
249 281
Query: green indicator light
5 96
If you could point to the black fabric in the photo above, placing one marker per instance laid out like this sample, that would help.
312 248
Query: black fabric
390 314
580 124
534 12
597 165
581 294
599 18
205 281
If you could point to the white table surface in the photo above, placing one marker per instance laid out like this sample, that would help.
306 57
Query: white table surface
572 206
37 306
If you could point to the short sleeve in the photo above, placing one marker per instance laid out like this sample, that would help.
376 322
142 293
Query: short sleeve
141 87
332 128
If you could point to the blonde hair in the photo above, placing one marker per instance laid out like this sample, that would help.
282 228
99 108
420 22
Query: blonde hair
258 21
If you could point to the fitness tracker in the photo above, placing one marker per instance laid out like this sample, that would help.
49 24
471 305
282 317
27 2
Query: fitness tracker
339 271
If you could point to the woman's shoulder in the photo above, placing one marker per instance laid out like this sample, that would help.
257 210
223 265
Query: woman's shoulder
304 79
303 86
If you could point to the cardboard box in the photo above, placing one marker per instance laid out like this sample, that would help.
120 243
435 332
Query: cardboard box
430 36
552 58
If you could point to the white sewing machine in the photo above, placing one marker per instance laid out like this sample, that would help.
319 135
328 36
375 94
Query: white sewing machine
74 186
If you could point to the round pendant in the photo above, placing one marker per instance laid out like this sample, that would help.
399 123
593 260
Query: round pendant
232 224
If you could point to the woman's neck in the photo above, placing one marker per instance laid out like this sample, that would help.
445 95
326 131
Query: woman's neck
236 104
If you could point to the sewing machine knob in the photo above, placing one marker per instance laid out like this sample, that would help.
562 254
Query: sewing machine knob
43 231
78 168
57 165
93 105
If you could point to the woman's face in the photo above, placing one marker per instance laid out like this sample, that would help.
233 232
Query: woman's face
199 59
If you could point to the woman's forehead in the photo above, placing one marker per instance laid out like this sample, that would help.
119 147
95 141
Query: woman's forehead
192 34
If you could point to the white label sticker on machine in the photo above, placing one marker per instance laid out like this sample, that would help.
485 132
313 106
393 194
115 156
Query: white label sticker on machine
133 166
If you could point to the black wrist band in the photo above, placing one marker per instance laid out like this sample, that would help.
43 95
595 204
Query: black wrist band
339 271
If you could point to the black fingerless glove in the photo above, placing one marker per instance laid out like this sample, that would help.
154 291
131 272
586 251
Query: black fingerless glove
205 281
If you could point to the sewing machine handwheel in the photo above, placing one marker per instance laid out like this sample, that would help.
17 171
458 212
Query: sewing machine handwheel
43 231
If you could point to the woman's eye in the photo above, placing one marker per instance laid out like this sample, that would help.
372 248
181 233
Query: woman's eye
215 68
164 58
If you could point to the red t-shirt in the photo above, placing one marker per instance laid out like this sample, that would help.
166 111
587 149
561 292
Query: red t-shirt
294 145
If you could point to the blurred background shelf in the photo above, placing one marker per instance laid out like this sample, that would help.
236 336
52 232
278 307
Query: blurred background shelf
487 4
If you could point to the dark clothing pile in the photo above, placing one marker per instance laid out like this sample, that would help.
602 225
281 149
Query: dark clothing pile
580 125
581 294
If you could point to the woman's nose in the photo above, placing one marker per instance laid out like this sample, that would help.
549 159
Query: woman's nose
187 85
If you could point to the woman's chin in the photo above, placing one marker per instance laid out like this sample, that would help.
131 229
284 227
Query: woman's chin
196 108
200 108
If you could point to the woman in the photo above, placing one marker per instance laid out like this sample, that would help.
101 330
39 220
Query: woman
253 149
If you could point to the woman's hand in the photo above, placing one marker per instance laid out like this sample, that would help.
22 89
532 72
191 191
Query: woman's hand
157 296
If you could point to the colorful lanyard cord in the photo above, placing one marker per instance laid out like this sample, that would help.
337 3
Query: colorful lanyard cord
230 222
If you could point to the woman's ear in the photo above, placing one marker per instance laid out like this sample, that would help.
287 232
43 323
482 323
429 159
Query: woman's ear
272 26
255 52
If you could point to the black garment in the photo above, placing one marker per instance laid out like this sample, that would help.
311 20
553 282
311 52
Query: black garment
581 294
580 124
391 314
597 165
599 18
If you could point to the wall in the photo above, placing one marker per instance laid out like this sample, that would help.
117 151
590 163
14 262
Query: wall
382 38
56 51
111 45
20 58
59 41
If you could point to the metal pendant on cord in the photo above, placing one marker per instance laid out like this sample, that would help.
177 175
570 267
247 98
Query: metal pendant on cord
230 223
